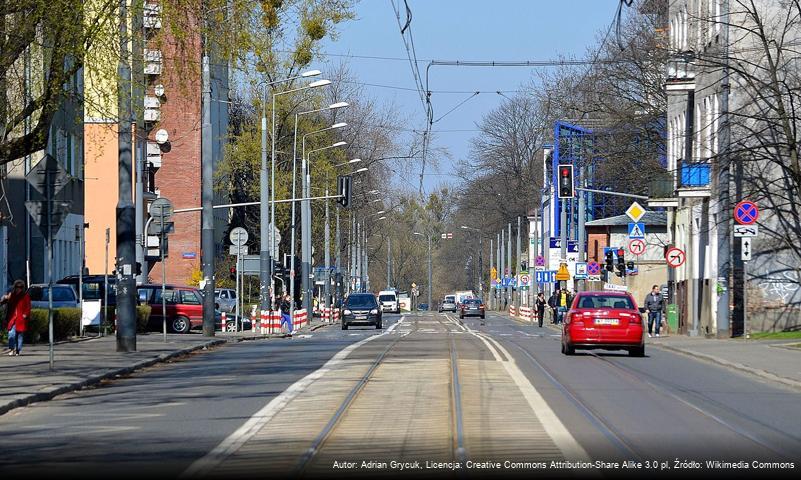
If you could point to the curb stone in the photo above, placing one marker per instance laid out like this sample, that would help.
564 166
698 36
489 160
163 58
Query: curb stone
95 379
735 366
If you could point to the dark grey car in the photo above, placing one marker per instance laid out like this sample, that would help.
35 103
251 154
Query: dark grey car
63 296
361 308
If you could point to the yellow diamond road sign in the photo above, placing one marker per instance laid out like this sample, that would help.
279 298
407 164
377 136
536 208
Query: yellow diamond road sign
635 212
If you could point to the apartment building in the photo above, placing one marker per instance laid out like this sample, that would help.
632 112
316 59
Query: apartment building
169 144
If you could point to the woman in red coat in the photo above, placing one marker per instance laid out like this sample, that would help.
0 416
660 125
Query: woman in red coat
18 313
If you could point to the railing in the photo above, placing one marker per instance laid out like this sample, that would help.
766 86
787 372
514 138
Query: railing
695 174
662 188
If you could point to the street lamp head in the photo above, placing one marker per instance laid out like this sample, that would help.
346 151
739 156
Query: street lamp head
339 125
380 212
310 73
319 83
363 169
417 233
334 106
374 192
382 218
339 144
355 160
464 226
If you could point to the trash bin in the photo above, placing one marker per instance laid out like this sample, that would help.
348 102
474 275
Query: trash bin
673 317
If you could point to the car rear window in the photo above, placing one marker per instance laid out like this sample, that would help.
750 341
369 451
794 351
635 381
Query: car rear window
360 301
60 294
450 299
387 298
604 302
472 301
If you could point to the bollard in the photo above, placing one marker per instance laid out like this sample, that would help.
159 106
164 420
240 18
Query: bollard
224 326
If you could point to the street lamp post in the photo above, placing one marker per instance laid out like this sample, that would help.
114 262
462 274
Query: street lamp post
430 278
480 259
266 246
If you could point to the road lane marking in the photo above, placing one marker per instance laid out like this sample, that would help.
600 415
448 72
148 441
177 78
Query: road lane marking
244 433
554 427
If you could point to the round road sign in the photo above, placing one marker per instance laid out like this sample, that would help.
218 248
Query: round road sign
637 247
238 236
746 212
161 207
675 257
525 280
593 268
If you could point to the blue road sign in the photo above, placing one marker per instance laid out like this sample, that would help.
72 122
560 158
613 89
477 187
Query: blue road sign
746 213
547 276
593 268
637 230
572 245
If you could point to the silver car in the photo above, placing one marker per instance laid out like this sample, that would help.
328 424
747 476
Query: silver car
63 296
448 304
225 299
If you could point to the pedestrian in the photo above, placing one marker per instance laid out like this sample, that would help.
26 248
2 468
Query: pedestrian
654 303
286 316
540 307
564 303
553 302
18 311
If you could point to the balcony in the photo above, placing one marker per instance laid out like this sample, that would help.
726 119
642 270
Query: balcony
694 179
153 59
152 16
661 193
154 154
681 71
152 109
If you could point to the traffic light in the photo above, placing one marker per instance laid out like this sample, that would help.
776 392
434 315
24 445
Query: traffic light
233 273
621 262
566 181
630 265
610 261
344 190
138 268
524 265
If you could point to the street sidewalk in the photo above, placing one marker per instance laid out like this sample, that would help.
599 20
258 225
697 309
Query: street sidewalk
81 363
769 359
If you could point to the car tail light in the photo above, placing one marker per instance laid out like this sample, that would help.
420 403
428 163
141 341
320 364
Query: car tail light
575 317
632 318
482 306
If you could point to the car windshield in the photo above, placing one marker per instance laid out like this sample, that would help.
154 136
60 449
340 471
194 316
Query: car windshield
360 301
605 302
450 299
60 294
387 298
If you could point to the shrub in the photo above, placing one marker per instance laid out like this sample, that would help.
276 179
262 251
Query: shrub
142 317
66 322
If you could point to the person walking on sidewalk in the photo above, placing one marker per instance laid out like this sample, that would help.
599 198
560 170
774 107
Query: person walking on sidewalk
540 307
285 313
553 302
653 305
18 311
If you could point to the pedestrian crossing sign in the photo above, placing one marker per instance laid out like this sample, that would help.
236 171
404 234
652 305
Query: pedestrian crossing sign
636 230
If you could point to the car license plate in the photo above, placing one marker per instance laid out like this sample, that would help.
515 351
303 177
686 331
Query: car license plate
473 308
607 321
361 317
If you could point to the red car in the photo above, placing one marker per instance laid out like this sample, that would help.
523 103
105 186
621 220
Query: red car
184 306
606 320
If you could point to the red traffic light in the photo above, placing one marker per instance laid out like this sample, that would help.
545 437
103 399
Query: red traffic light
565 172
233 269
620 252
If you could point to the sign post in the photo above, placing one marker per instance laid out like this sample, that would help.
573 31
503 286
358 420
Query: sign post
239 237
162 209
746 213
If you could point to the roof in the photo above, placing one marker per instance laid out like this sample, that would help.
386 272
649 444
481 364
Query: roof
650 218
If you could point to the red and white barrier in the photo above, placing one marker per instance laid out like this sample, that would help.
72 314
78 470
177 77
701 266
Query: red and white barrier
336 315
326 315
512 311
301 319
224 326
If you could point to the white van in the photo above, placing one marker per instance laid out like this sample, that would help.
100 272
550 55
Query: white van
389 301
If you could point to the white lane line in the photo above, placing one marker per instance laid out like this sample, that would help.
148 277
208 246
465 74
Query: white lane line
553 426
227 447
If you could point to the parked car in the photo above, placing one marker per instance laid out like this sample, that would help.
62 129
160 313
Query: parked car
63 296
225 299
389 301
361 308
471 307
422 306
94 287
448 304
605 320
184 307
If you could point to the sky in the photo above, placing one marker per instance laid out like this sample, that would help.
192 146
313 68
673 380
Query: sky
497 30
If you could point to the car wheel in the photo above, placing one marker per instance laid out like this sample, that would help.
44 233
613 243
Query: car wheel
568 350
461 317
637 351
344 326
180 324
378 326
231 326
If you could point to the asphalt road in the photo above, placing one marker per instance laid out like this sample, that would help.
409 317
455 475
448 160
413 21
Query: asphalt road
664 407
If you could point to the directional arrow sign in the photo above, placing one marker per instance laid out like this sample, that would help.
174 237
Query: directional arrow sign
746 250
746 230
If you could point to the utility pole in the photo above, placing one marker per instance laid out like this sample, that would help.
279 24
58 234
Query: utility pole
563 234
499 263
736 326
137 27
207 199
491 291
430 277
518 266
509 264
389 263
327 276
582 212
265 239
126 213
